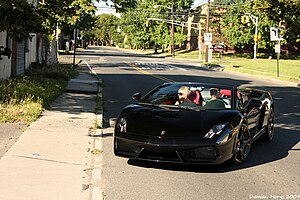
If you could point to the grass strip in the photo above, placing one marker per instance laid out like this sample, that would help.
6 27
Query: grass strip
23 99
289 68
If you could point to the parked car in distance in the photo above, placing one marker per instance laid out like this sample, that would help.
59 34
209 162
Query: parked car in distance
218 48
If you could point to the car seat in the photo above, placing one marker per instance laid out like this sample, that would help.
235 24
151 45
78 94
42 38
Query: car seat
225 93
196 97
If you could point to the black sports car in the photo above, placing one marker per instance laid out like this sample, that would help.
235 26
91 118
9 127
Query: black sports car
194 123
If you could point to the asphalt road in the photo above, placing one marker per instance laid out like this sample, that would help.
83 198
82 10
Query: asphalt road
272 170
9 134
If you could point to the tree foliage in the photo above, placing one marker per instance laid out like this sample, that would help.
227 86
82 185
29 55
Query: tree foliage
18 18
83 16
270 14
133 24
106 29
237 34
144 28
281 12
69 14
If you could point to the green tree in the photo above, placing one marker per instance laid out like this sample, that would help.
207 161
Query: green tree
54 12
271 13
18 18
279 12
84 16
106 29
156 32
66 14
237 34
133 24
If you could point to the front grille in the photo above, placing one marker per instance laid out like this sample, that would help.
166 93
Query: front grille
201 154
204 152
168 157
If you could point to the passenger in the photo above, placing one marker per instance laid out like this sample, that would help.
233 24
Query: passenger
183 94
215 102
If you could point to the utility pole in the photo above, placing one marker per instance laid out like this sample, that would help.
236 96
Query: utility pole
172 31
172 27
256 38
207 30
255 21
199 41
277 47
75 45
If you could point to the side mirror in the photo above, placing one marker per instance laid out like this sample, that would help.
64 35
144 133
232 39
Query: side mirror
137 96
254 103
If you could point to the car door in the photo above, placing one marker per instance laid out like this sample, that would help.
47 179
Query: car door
251 113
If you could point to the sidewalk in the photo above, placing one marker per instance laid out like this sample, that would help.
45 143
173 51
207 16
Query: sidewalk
53 158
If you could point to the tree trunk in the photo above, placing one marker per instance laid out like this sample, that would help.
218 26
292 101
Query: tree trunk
52 53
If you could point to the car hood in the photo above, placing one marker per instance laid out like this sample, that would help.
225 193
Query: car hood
174 122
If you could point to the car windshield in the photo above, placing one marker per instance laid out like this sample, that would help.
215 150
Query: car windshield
190 96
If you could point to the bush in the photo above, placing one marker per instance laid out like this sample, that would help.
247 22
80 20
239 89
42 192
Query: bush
55 71
25 112
22 99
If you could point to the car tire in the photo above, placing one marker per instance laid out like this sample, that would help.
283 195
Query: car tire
243 146
269 133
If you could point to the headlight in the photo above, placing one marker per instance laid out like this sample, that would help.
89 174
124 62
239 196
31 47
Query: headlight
215 130
122 125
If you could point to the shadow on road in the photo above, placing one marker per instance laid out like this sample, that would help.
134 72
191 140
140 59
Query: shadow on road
110 54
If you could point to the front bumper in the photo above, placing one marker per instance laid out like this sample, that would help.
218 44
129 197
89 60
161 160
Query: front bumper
173 150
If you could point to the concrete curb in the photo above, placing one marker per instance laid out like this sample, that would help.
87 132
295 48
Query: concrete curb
99 95
96 192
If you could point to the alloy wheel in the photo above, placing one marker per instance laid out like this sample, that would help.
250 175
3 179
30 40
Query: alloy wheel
243 146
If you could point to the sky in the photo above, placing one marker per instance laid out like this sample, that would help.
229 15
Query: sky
198 3
104 8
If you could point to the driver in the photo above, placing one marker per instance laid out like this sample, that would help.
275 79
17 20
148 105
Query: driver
183 94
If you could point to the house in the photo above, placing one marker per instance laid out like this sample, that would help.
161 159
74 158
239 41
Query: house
20 53
199 16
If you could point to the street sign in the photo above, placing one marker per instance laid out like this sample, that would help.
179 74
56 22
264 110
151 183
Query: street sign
274 34
207 37
207 43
